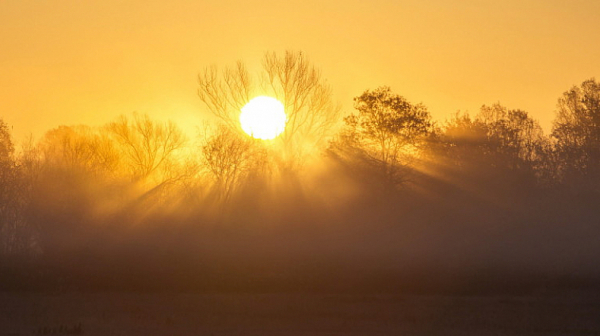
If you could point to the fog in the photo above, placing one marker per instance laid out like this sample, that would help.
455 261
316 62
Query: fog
483 203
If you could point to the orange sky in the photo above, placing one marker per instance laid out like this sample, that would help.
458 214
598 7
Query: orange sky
85 62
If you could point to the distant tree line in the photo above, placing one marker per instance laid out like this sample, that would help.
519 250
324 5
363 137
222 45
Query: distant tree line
136 168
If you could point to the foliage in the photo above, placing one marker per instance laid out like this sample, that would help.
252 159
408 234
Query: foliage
576 132
81 179
512 134
7 147
507 139
387 132
496 153
16 236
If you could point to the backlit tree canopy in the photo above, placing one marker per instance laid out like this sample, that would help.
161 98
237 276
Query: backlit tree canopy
15 236
387 131
576 131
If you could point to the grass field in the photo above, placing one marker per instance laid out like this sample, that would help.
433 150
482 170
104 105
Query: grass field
125 313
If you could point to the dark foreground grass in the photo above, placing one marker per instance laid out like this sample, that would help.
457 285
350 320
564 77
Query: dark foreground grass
297 313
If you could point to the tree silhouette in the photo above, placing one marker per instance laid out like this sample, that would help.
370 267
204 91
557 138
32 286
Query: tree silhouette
146 146
500 150
229 157
513 136
225 93
387 133
81 149
16 236
576 132
290 78
7 147
306 97
7 185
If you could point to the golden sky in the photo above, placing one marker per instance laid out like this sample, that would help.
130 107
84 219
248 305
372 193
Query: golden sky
85 62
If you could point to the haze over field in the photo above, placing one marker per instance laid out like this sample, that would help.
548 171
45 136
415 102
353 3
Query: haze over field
299 166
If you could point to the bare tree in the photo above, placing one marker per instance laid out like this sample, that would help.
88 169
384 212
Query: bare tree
225 93
290 78
230 157
306 97
145 145
82 149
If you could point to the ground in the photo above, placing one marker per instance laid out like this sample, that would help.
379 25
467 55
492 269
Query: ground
119 313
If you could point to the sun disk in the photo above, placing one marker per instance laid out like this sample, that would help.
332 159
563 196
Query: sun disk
263 118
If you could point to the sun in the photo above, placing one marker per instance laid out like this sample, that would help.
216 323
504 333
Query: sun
263 118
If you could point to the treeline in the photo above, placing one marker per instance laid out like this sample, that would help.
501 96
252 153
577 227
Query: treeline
384 191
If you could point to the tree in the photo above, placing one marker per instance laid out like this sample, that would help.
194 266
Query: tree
387 132
290 78
7 147
229 157
306 97
146 146
7 186
499 149
512 135
463 141
225 94
576 131
82 150
16 235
